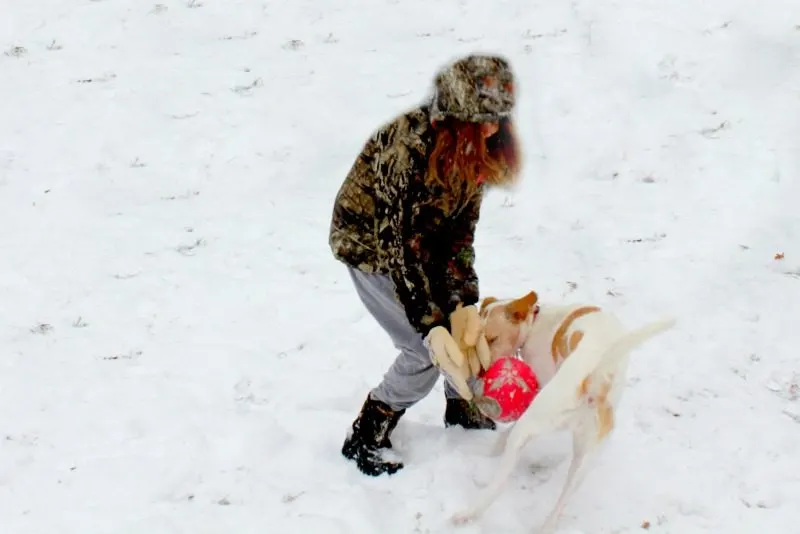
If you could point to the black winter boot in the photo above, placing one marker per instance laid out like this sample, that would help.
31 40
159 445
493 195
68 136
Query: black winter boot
463 413
368 442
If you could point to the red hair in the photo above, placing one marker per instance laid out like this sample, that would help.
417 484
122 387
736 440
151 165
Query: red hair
463 158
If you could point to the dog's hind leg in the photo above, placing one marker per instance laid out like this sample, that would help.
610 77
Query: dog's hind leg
583 451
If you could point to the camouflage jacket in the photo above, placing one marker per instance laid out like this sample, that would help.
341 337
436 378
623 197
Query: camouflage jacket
388 220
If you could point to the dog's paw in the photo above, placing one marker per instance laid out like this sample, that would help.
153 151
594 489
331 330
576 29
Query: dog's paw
462 518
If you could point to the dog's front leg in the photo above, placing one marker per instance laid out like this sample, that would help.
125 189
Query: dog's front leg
514 440
500 443
536 421
491 492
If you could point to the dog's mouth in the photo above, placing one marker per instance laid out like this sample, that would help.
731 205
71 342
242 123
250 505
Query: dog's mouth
489 407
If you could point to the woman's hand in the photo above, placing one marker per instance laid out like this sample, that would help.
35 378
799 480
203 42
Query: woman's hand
463 351
446 355
465 327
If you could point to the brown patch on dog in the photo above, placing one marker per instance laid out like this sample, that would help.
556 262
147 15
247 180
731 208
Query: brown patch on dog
560 347
603 409
605 412
574 339
517 310
485 305
583 389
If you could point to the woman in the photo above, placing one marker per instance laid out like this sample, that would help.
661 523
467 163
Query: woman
403 223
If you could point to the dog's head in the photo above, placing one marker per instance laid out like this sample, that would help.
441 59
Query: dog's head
506 323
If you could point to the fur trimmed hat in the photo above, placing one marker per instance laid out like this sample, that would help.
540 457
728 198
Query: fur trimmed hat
475 88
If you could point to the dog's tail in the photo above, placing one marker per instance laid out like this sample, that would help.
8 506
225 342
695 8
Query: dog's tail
632 339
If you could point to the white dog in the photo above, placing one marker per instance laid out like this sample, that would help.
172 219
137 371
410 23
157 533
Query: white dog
580 357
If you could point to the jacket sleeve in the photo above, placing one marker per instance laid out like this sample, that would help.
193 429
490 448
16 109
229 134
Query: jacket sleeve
460 277
431 259
409 223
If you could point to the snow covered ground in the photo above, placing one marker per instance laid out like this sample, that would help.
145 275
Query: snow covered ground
179 352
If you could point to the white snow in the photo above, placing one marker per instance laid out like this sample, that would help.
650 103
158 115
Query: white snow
180 352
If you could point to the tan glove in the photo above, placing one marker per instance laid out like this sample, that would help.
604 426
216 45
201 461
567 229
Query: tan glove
465 325
446 355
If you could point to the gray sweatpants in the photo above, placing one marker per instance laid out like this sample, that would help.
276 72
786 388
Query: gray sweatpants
412 375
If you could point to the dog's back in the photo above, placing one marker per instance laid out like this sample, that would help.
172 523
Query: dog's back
594 368
558 331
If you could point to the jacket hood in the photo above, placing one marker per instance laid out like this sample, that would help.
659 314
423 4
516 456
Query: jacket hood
475 88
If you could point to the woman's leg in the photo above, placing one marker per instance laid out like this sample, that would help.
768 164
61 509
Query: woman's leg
408 380
412 375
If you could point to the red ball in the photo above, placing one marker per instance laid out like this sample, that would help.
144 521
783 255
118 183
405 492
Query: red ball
506 389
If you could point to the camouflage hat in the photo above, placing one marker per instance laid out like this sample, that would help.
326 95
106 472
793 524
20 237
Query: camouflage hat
475 88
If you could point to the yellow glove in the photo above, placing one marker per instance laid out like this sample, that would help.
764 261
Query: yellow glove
465 325
446 355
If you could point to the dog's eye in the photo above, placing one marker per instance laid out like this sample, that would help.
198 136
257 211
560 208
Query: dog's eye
491 340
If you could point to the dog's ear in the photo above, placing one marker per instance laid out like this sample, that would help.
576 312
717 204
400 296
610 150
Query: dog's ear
485 304
517 310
